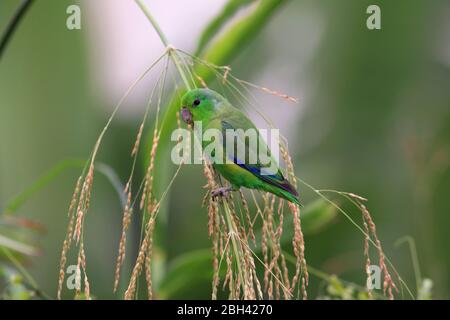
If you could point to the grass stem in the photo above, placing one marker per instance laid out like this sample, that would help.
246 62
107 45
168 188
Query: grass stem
170 49
13 24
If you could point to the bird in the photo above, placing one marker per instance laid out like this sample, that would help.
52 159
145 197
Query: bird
215 112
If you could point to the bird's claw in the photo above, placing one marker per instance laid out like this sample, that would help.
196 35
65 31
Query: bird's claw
221 192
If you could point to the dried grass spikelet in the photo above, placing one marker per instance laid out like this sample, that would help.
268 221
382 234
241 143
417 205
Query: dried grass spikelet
148 265
141 258
84 201
126 220
82 264
276 280
289 165
78 207
244 202
250 283
148 184
213 214
213 227
272 272
68 239
388 283
275 263
371 232
298 242
87 290
229 276
201 80
137 143
151 208
138 140
265 249
82 208
276 275
225 74
367 255
269 91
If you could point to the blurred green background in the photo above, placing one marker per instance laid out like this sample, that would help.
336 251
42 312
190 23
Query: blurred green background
373 119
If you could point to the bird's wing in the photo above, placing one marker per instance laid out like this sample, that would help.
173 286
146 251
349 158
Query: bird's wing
240 121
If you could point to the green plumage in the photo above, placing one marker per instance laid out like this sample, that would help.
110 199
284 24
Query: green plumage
215 112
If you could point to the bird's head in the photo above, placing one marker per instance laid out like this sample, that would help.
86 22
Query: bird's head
199 105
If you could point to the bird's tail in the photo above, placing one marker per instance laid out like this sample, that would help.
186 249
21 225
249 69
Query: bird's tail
289 196
286 191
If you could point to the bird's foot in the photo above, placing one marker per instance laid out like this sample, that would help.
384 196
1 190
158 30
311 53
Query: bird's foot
221 192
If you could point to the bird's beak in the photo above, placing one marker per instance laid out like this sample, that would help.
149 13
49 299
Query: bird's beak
186 115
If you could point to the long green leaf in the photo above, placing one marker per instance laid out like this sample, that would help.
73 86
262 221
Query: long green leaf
228 11
17 246
186 271
19 200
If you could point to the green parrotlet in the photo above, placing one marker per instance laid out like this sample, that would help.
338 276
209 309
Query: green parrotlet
215 112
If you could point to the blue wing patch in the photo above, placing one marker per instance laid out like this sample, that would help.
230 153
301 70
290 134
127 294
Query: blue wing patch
277 179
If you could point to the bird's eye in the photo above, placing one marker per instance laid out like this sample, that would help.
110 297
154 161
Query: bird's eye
196 102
